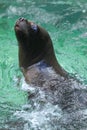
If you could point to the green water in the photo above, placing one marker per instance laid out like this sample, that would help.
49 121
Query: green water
66 22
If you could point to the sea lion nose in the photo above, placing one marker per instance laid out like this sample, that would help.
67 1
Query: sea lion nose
21 19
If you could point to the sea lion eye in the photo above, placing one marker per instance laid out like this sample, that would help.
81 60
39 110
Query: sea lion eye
34 27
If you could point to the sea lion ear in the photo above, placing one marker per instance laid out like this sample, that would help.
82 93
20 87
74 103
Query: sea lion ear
34 27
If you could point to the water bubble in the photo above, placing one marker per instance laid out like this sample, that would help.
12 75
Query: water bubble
84 11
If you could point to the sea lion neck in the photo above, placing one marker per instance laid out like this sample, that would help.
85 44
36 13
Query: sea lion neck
35 45
28 57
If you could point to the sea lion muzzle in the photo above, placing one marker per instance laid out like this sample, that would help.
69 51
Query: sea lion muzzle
21 25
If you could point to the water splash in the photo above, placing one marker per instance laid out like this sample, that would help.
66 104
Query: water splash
66 23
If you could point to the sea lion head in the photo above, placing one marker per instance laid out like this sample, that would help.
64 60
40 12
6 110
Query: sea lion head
25 31
35 45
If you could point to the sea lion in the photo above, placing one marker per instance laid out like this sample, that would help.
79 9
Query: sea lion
35 45
54 91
